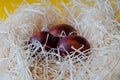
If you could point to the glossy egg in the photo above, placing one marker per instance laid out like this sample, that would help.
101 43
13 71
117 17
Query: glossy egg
65 44
62 29
44 38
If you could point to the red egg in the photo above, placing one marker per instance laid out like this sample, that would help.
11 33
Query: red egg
44 38
62 29
75 41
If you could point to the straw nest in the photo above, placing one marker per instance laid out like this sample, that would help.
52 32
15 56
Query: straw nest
96 23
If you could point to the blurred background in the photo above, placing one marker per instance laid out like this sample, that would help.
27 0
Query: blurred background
9 6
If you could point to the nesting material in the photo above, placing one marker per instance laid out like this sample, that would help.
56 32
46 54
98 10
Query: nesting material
96 23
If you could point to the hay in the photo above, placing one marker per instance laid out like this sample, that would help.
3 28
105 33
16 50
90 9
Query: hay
96 23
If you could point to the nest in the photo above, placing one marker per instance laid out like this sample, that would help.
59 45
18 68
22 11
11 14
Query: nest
96 23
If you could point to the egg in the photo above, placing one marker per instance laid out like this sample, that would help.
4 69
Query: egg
65 44
45 38
62 30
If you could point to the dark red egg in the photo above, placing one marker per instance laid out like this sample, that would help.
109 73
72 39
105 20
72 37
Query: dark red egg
44 38
65 44
63 29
